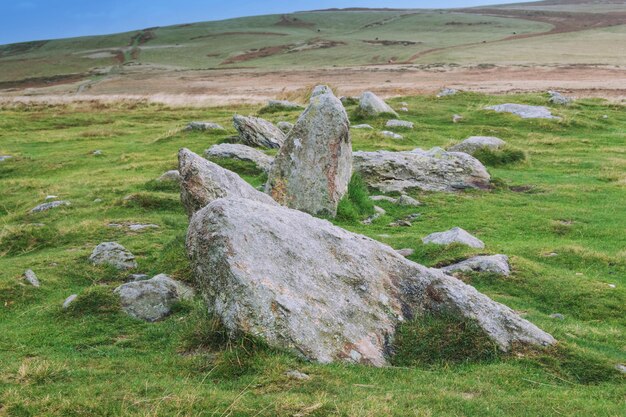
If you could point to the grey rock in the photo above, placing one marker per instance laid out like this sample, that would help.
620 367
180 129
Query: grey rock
404 104
138 277
321 89
282 105
203 181
313 168
285 127
240 152
372 105
31 278
48 206
97 152
433 170
524 111
140 227
51 197
444 92
399 123
558 98
362 126
378 212
170 176
5 157
404 109
496 264
391 135
326 294
454 235
293 374
69 300
203 126
254 131
113 254
383 198
456 118
152 299
557 316
97 200
406 252
474 143
621 368
406 200
401 223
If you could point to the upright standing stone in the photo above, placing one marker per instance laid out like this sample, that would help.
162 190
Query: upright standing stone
312 171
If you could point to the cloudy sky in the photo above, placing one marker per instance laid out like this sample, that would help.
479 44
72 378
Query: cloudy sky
25 20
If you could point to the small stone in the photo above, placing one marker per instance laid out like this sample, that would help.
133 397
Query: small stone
240 152
97 200
474 143
579 274
391 135
362 126
203 126
557 316
447 92
170 176
372 105
457 118
97 152
113 254
5 157
399 123
406 200
282 105
138 277
31 278
401 223
612 286
454 235
406 252
380 210
495 264
605 116
404 104
285 127
621 368
139 227
524 111
404 109
48 206
293 374
50 197
69 300
558 98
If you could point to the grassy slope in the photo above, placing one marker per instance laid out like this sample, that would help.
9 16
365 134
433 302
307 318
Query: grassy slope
96 361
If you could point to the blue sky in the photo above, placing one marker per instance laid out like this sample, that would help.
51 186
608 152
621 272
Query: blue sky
25 20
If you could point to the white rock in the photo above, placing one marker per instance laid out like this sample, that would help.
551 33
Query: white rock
203 126
399 123
391 135
31 278
406 200
383 198
5 157
139 227
113 254
51 197
362 126
457 118
48 206
454 235
69 300
558 98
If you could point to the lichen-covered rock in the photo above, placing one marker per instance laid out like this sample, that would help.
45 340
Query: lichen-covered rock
454 235
399 123
495 264
48 206
31 278
313 168
152 299
203 126
558 98
170 176
433 170
372 105
474 143
285 127
113 254
240 152
254 131
524 111
304 285
203 181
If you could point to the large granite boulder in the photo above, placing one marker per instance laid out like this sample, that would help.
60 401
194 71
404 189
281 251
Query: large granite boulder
240 152
372 105
254 131
203 181
113 254
152 299
495 264
524 111
326 294
313 168
474 143
433 170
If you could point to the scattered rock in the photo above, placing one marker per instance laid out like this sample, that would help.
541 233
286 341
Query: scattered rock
557 316
5 157
378 212
97 153
444 92
611 285
372 105
31 278
362 126
140 227
496 264
524 111
401 223
282 105
321 89
293 374
254 131
326 294
399 123
152 299
51 197
433 170
203 181
621 368
203 126
240 152
456 118
474 143
454 235
113 254
97 200
285 127
170 176
604 116
406 200
69 300
313 168
383 198
406 252
391 135
404 109
48 206
138 277
558 98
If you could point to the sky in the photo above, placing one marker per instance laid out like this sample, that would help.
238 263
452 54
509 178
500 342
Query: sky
27 20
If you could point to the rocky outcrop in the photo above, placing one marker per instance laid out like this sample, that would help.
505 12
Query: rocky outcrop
203 181
254 131
326 294
203 126
474 143
433 170
152 299
495 264
48 206
313 168
240 152
113 254
372 105
454 235
524 111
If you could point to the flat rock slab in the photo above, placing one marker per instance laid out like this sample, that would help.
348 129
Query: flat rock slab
48 206
434 170
495 264
399 123
474 143
524 111
203 126
254 131
307 286
113 254
372 105
240 152
454 235
152 299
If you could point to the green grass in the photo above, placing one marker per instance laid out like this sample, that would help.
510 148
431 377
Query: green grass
559 216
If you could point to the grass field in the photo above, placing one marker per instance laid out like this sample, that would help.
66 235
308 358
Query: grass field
559 216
